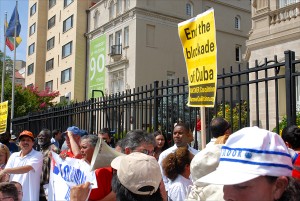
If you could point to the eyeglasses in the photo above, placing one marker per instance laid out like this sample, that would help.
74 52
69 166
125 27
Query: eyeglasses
4 198
145 151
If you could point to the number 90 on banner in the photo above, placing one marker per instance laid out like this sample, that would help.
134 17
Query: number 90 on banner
96 65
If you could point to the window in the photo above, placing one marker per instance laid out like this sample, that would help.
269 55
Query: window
51 22
237 22
118 38
52 3
117 81
283 3
111 10
238 53
150 35
50 43
126 5
68 24
32 29
67 49
96 19
30 86
31 49
126 36
189 9
67 2
30 69
49 85
119 7
66 75
49 64
33 9
110 42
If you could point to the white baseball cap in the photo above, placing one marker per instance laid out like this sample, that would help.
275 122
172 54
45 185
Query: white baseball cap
138 170
249 153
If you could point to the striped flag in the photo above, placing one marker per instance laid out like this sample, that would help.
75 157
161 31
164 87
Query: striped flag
10 31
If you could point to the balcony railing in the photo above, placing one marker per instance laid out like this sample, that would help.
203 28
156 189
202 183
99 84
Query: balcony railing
116 52
285 13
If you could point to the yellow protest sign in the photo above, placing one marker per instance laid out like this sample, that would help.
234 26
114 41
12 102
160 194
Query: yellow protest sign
3 116
198 39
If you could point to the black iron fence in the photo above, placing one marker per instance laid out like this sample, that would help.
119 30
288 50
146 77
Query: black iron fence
265 95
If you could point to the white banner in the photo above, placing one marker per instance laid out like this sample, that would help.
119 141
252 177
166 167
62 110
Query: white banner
67 173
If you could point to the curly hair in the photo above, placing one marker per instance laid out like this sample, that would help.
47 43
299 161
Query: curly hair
174 164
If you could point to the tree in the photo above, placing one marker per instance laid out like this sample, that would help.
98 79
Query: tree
27 99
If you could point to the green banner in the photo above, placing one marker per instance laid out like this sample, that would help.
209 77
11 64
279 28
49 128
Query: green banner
97 66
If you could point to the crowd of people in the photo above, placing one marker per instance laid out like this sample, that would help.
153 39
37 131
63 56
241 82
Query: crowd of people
251 164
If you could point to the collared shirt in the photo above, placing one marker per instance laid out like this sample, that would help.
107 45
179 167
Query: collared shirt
30 181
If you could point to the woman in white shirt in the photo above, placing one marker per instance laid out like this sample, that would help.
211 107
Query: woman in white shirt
176 167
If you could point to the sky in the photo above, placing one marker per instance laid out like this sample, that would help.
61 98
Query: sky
8 6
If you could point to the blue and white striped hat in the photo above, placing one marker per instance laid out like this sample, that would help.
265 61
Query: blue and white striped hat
249 153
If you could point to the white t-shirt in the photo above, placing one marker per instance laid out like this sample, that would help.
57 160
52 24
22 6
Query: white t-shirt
163 155
30 181
178 188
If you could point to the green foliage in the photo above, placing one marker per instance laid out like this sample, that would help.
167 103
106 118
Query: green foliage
224 110
29 99
283 123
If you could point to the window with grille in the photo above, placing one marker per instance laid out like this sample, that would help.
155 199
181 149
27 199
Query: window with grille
189 9
117 81
237 22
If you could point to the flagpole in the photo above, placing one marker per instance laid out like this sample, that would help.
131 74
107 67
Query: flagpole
4 60
14 67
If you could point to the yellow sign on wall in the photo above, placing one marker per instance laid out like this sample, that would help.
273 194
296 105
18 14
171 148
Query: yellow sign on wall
198 39
3 116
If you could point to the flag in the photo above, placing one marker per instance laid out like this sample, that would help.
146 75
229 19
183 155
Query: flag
14 22
10 42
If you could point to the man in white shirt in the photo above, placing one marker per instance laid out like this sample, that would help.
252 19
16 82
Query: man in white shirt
181 137
25 167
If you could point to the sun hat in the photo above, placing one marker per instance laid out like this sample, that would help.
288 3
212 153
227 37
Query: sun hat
206 161
138 170
249 153
26 133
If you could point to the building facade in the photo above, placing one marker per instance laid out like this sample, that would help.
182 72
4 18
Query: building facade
140 39
56 43
82 47
275 29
